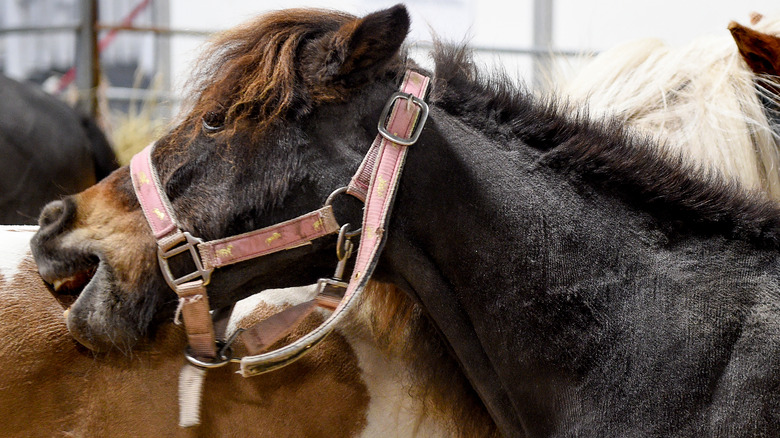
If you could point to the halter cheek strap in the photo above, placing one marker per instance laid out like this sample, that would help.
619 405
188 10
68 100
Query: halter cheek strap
375 182
404 123
207 256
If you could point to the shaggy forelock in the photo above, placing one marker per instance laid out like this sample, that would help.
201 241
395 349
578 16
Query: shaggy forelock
250 73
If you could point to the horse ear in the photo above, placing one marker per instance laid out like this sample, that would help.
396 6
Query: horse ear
362 46
761 51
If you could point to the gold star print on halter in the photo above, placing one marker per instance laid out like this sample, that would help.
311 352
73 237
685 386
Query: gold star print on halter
223 252
273 237
142 178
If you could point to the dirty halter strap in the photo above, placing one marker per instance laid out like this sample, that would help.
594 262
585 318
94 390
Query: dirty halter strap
171 240
375 182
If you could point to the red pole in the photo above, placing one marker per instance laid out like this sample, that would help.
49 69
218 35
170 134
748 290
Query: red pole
104 42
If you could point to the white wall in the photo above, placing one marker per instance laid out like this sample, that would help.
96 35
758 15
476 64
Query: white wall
580 25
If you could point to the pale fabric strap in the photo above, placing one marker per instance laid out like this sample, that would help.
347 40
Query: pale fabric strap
193 299
266 332
282 236
384 182
190 390
358 185
155 206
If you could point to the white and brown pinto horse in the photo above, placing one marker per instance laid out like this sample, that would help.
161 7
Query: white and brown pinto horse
715 99
354 384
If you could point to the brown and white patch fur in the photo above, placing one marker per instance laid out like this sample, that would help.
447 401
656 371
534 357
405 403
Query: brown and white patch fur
51 386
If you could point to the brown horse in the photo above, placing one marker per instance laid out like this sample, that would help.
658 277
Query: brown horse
584 283
53 386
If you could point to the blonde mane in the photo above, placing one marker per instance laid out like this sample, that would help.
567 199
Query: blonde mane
700 99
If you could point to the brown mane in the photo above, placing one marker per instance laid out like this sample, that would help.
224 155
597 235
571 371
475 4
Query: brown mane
251 73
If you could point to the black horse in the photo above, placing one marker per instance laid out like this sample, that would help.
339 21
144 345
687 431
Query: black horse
587 284
49 150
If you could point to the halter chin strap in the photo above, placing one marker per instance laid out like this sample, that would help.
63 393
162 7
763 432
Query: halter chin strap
375 183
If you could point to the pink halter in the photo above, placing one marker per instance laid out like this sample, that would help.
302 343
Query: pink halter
375 182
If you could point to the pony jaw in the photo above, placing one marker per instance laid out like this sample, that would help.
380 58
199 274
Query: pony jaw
94 261
89 296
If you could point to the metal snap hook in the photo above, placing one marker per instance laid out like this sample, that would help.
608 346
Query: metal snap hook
344 245
224 354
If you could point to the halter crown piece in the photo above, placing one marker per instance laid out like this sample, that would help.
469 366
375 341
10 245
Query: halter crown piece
375 183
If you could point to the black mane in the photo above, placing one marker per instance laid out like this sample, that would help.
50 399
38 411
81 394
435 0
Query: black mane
682 195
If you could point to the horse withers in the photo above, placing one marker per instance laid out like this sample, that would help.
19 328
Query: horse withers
585 283
49 150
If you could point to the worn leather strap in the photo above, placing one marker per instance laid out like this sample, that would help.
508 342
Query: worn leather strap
194 304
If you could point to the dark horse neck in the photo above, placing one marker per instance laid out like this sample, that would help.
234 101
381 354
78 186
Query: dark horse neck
548 285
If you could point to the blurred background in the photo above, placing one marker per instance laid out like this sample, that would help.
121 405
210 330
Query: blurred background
125 61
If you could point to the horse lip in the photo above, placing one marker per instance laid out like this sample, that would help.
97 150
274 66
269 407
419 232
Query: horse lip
75 282
67 287
71 324
71 313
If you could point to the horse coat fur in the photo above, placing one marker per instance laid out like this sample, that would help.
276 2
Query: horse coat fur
587 284
51 386
48 150
715 99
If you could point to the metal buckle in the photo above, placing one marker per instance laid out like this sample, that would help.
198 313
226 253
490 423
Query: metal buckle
421 118
174 248
329 201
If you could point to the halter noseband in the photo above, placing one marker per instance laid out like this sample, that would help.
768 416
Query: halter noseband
375 183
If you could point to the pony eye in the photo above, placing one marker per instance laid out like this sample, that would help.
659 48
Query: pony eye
213 121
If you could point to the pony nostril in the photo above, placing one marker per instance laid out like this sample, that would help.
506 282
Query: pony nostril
51 213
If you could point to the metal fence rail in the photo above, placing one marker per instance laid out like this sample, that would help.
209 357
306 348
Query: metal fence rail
87 69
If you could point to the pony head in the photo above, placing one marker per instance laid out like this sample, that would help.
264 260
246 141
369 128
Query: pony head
274 100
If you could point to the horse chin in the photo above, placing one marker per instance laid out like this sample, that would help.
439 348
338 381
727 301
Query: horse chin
93 320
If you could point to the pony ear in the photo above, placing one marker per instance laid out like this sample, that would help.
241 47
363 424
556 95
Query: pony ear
761 51
362 46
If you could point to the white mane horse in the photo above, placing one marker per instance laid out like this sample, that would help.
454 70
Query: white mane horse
357 383
703 98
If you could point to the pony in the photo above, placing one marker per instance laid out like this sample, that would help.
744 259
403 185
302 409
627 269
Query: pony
348 387
49 150
583 282
715 100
